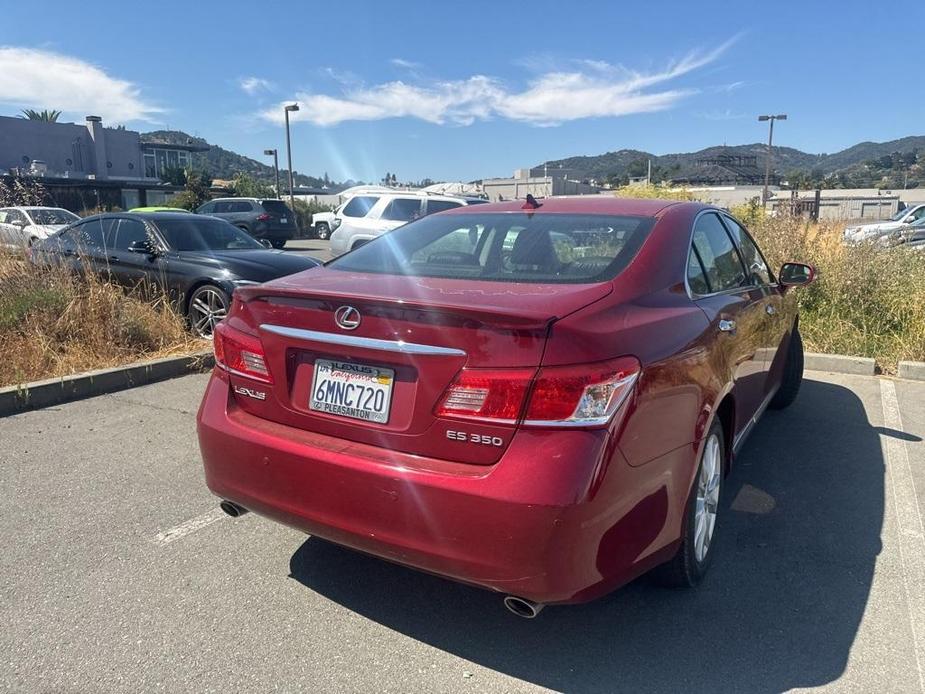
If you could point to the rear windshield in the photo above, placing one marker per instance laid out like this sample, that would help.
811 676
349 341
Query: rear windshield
277 207
559 248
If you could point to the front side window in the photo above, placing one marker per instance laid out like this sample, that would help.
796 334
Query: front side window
124 232
719 257
208 208
403 210
360 206
538 248
758 272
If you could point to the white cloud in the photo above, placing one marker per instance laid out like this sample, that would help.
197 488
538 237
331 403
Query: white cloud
590 89
407 64
31 78
252 85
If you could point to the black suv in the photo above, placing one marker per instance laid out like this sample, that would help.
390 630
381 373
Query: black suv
261 218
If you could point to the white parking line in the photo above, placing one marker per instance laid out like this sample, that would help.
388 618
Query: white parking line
908 520
192 525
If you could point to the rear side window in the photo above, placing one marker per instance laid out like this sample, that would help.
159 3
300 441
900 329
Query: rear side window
240 206
359 206
403 210
434 206
221 207
538 248
90 234
696 277
716 251
275 207
758 271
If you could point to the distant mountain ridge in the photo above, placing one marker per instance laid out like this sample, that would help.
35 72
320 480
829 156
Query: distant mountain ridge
630 162
224 164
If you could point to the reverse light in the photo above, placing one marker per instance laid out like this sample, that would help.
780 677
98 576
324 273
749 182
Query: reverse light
240 353
581 395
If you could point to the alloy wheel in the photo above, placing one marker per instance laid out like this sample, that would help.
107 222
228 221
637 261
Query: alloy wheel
207 307
707 502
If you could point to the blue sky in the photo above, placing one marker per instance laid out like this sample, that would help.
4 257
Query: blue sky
469 90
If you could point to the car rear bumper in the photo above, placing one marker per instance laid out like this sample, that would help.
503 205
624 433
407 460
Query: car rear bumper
548 527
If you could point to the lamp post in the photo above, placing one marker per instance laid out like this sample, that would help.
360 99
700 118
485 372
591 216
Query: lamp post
288 109
268 152
767 165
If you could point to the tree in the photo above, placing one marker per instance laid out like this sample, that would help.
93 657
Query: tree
196 190
246 186
46 116
16 191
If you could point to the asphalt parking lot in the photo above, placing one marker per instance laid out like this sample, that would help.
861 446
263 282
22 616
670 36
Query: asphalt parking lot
119 573
313 247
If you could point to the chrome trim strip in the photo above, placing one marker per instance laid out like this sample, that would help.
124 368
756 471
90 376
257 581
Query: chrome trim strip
747 429
363 342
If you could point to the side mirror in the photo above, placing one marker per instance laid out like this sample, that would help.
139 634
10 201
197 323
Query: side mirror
796 274
144 247
266 243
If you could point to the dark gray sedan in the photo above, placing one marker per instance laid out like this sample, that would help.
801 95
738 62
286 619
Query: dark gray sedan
197 260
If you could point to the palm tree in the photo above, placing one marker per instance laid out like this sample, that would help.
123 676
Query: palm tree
46 116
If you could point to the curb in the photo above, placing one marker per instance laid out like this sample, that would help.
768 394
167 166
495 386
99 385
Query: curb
56 391
913 370
838 363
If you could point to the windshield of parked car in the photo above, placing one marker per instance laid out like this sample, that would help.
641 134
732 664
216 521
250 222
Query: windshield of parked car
52 215
559 248
900 214
204 234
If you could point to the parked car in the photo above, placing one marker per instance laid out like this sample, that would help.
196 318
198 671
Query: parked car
20 227
262 218
158 208
907 235
875 230
471 396
322 223
367 216
199 261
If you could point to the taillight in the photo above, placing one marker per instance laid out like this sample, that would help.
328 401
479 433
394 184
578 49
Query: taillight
582 395
240 353
487 394
263 217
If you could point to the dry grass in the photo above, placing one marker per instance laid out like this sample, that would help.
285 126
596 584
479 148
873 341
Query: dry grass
867 301
53 323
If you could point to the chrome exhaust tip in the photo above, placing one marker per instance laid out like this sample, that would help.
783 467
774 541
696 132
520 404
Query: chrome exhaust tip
232 509
522 607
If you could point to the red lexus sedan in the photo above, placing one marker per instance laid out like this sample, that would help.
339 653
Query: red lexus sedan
541 399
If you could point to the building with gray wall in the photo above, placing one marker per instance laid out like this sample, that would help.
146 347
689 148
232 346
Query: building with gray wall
92 153
524 182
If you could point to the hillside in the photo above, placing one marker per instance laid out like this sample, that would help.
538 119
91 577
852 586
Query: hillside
861 165
225 164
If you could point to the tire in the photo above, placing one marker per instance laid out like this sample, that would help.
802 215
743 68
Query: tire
690 563
322 231
278 243
793 374
207 306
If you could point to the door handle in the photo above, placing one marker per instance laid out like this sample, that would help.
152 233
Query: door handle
727 326
769 309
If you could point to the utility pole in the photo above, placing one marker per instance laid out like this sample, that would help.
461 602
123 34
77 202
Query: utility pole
767 165
288 109
649 174
268 152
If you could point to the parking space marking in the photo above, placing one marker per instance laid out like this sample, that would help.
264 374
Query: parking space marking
908 520
192 525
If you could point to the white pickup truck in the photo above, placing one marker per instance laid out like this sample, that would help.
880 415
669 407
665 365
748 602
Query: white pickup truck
323 224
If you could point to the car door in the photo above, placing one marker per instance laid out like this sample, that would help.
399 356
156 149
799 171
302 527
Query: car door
719 285
774 328
129 268
89 250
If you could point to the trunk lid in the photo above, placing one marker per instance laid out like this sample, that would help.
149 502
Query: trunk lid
422 330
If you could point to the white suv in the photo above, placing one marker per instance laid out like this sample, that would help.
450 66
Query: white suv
367 216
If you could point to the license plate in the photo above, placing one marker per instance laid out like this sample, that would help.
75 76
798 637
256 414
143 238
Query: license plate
352 390
283 220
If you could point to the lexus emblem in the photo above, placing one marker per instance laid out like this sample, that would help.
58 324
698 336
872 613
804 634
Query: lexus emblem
347 318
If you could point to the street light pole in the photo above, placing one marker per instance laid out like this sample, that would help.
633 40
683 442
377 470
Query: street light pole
767 165
288 109
268 152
